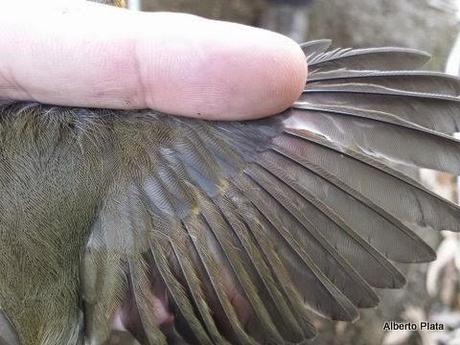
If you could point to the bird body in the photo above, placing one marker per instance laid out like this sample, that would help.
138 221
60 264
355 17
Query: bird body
186 231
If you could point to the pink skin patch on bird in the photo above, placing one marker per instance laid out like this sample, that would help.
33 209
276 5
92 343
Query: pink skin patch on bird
126 318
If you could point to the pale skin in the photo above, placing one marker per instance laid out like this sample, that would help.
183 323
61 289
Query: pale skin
85 54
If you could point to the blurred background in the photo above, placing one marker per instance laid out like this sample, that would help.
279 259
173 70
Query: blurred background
433 290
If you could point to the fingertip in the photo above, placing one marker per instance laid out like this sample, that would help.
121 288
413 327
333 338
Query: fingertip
289 70
271 82
225 71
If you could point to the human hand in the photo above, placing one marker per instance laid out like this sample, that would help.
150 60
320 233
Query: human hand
80 53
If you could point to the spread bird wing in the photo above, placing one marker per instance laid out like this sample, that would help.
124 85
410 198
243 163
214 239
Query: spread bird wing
203 232
239 232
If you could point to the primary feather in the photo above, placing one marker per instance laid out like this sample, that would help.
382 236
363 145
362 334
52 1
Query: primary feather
186 231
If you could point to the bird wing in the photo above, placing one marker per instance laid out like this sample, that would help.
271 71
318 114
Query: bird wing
201 232
239 232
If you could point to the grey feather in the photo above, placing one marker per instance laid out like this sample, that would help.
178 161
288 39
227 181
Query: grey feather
315 48
385 59
372 134
412 81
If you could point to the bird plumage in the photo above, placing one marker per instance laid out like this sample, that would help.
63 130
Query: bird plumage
198 232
